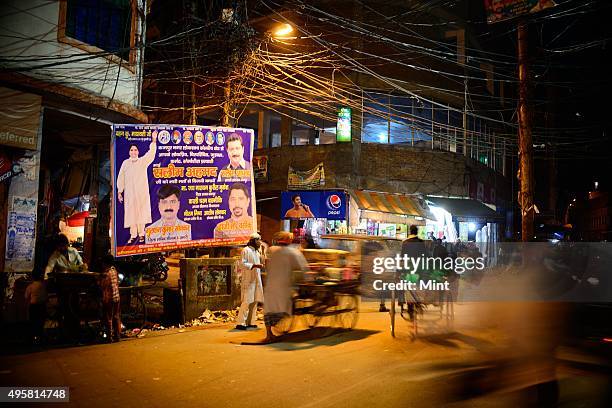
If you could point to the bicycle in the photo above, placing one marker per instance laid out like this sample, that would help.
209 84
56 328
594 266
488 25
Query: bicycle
133 307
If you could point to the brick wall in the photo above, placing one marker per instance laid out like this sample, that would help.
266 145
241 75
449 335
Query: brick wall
391 168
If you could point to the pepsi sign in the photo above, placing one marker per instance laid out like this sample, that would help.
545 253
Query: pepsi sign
334 202
330 204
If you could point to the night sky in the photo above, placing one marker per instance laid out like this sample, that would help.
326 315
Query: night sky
570 51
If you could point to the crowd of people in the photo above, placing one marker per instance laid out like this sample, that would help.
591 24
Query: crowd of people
278 261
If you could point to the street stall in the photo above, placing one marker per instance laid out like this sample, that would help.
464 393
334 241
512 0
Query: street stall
465 221
386 214
47 196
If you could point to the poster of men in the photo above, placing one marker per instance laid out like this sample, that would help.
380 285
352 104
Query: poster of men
176 188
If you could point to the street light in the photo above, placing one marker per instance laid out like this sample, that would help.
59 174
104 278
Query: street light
283 30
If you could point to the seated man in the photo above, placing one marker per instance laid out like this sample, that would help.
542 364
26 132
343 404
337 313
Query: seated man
67 259
64 258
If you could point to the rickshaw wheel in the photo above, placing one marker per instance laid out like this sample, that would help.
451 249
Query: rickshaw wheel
348 310
323 322
303 308
284 326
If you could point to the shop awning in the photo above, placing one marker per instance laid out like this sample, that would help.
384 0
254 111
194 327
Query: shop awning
466 210
391 203
77 219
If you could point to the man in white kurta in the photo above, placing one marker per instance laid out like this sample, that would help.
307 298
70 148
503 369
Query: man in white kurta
133 191
282 261
251 288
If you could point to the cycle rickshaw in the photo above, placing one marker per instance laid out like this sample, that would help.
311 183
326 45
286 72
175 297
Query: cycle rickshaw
328 298
421 301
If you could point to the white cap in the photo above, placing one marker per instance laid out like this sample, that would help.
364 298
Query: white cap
255 236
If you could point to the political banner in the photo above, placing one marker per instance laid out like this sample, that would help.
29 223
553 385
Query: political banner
179 186
306 180
498 10
330 204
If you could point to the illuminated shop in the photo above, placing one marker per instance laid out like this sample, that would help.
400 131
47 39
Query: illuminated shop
386 214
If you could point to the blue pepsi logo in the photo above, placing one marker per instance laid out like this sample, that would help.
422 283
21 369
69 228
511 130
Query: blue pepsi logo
334 202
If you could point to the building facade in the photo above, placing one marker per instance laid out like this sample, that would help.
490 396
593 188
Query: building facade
69 70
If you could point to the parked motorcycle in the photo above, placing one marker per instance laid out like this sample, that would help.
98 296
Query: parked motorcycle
151 267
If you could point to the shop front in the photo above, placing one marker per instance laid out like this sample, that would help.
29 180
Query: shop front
466 221
386 214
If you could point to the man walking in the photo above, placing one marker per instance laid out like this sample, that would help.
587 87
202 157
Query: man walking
283 260
251 288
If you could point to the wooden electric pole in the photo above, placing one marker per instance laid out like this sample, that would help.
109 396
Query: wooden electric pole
525 173
227 120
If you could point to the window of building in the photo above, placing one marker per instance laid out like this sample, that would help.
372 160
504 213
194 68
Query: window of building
274 135
441 135
422 130
104 24
302 134
327 135
309 129
375 118
456 129
409 120
401 120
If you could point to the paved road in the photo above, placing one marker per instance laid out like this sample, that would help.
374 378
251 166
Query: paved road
209 368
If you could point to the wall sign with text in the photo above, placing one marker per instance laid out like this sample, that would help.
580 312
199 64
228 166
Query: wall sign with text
343 126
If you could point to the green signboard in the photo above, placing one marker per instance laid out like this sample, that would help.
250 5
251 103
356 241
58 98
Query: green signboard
343 127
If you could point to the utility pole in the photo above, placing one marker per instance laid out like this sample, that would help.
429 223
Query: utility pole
465 124
525 173
194 116
227 119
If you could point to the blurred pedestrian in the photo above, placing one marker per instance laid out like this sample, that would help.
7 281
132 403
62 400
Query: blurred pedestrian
36 299
309 242
251 288
282 262
111 301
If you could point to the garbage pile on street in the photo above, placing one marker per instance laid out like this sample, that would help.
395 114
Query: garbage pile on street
150 328
153 299
206 318
219 316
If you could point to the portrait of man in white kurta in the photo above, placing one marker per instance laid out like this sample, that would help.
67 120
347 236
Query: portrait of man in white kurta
133 191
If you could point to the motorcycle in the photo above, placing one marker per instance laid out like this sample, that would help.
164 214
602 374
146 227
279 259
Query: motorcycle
151 267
